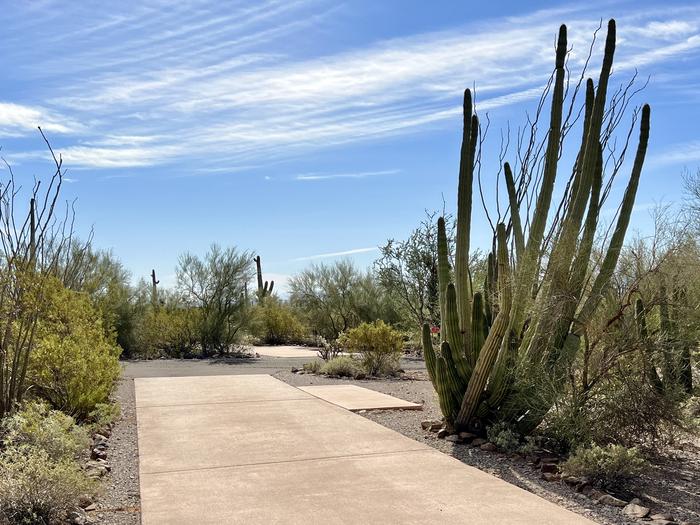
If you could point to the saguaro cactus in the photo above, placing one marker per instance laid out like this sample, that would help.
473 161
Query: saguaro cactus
264 289
535 302
154 289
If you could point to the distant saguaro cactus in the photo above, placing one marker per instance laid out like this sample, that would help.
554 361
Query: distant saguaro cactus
264 289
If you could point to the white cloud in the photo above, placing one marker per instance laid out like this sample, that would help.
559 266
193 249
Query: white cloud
224 85
356 175
17 119
330 255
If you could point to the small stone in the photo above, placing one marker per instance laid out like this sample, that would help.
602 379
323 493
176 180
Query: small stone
467 436
571 480
549 467
442 433
595 494
454 438
662 517
295 370
90 507
550 476
429 423
636 510
478 442
612 501
533 458
436 426
85 500
98 454
488 447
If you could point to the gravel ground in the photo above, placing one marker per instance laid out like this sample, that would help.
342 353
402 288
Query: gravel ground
120 501
671 485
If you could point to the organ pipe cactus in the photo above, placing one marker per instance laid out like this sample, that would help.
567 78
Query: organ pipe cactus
536 301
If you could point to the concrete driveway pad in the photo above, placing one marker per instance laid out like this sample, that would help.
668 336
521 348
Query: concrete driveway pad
286 351
290 458
353 397
179 391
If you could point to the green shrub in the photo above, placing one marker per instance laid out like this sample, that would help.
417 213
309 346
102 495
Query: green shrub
103 415
607 466
504 437
377 343
52 431
166 331
343 366
274 323
313 367
36 488
74 364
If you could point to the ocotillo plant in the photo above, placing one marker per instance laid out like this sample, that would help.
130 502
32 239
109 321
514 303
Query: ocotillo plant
264 289
528 321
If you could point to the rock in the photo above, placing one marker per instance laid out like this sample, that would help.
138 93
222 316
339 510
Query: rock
436 426
549 467
612 501
549 459
636 510
467 436
90 507
85 500
662 517
295 370
98 453
571 480
533 458
454 438
488 447
78 517
478 442
442 433
595 494
99 438
550 476
428 424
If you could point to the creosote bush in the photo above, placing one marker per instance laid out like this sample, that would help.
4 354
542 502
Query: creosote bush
343 366
378 346
607 466
74 364
274 322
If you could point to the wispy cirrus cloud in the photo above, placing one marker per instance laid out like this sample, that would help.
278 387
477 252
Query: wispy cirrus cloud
355 175
228 86
331 255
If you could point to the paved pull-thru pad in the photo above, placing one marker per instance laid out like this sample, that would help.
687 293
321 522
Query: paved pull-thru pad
286 351
254 450
353 397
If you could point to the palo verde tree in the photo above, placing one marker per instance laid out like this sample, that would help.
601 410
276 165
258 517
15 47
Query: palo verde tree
499 347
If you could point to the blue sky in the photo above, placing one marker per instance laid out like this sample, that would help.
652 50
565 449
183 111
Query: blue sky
300 129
